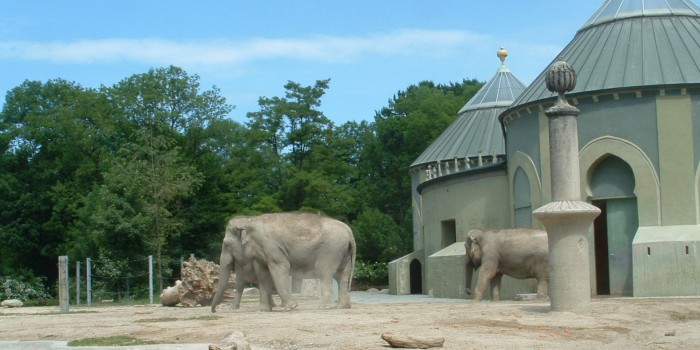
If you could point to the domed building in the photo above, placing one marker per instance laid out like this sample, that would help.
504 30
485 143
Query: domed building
458 183
638 90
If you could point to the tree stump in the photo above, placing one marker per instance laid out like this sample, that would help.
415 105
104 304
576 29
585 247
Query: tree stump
398 340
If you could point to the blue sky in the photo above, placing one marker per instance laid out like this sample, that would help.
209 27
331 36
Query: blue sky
369 49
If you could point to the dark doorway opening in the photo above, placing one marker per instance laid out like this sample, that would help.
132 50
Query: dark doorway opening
416 277
600 240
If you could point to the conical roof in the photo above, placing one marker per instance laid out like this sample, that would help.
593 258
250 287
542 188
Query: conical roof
628 44
476 130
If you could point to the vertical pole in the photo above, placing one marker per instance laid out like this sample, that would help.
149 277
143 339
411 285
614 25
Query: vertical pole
63 291
150 278
567 219
88 281
77 283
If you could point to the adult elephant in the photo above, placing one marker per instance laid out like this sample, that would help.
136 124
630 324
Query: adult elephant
519 253
299 244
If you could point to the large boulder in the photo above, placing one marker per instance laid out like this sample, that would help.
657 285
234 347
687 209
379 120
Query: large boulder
171 295
11 303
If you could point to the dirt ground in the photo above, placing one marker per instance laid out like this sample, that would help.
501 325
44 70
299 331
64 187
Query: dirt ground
613 323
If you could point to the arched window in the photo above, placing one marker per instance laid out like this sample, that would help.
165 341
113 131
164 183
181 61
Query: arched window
522 201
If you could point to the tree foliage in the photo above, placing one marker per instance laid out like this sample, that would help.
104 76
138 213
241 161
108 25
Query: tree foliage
153 166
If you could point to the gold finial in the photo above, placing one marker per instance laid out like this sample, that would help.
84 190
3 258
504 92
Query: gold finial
502 54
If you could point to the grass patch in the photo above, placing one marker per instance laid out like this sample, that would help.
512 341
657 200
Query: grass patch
119 340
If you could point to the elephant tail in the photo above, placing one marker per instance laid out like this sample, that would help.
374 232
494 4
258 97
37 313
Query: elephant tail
352 247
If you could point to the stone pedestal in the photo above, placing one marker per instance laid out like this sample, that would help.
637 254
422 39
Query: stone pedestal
567 224
567 219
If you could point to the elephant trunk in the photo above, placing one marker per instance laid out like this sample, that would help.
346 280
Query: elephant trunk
470 272
225 264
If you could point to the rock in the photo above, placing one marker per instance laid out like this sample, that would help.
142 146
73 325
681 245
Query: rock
234 341
171 295
251 291
398 340
12 303
373 290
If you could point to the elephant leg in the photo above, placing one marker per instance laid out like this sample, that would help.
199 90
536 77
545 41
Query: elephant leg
265 284
326 292
344 290
239 283
486 273
280 277
237 298
542 288
496 287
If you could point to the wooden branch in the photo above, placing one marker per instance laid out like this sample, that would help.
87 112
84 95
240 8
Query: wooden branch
398 340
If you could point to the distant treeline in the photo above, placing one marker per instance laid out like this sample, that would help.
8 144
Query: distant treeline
154 166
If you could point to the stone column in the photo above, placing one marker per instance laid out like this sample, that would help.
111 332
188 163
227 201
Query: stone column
567 219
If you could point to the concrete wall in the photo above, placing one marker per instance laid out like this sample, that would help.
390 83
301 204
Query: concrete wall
472 201
400 273
667 261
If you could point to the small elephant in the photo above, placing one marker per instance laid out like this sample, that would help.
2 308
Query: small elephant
280 245
519 253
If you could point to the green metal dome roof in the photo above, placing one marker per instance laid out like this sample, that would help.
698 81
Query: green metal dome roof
476 131
629 44
619 9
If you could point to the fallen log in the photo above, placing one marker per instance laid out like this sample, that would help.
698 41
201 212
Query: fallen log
399 340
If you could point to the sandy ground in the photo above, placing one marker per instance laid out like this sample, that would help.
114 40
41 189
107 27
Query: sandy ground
613 323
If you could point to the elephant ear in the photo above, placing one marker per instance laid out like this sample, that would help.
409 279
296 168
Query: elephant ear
242 234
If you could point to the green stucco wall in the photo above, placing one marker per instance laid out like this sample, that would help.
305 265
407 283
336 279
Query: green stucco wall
656 132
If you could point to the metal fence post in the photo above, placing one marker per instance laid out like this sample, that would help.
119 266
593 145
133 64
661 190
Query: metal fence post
63 291
77 283
150 278
88 277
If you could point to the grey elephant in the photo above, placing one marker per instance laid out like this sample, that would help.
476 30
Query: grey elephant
244 273
280 245
519 253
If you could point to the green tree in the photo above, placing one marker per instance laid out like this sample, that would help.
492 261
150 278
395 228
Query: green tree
54 140
305 160
400 132
167 120
378 237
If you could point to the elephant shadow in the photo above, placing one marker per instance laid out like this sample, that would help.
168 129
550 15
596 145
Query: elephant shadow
538 309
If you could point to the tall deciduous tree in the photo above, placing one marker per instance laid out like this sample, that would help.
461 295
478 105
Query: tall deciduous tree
401 131
54 140
166 113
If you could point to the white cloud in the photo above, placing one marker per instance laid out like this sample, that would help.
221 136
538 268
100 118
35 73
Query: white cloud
226 52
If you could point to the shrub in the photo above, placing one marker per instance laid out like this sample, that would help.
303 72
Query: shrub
23 288
370 274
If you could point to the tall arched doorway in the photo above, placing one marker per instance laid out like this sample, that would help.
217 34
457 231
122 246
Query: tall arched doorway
416 272
522 200
612 188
